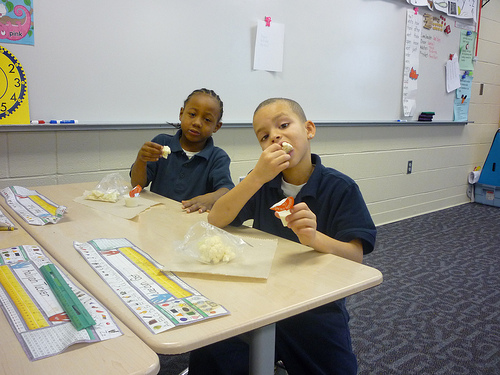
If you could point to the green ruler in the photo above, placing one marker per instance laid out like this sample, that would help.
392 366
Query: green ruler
72 306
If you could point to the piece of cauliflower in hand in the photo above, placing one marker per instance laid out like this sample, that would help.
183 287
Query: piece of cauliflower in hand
165 151
213 250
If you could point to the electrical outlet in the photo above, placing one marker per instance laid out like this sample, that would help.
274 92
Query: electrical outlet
409 167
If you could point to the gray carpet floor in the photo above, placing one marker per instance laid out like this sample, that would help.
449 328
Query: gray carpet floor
438 309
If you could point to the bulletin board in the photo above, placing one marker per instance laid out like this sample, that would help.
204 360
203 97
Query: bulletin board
126 61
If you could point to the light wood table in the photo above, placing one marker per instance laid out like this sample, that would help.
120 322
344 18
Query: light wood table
300 278
126 354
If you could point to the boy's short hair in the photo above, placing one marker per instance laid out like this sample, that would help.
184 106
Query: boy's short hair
210 93
296 108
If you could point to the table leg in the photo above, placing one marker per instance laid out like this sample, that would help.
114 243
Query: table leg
261 343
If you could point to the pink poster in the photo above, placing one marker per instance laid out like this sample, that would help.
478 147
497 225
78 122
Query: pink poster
16 22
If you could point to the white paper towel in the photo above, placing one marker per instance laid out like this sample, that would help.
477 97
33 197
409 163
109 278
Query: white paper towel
474 177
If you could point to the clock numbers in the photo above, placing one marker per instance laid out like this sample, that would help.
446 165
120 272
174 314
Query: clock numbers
14 87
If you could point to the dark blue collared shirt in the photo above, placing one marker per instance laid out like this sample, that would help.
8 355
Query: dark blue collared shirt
335 199
180 178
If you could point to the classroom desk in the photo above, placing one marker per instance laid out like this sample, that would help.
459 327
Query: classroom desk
126 354
300 278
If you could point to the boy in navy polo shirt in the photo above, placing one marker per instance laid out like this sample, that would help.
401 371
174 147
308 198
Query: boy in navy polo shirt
195 172
329 215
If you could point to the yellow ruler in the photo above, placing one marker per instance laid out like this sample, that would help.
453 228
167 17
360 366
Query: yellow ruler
149 268
24 304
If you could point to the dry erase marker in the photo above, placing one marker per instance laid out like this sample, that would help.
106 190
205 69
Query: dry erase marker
37 122
63 121
402 120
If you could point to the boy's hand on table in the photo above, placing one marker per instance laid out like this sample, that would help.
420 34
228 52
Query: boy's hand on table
272 161
201 203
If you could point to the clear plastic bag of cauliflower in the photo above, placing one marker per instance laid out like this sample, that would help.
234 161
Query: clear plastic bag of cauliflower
211 245
109 189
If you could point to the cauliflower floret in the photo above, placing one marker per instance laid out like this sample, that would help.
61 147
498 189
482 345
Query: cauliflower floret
165 151
287 147
97 195
213 250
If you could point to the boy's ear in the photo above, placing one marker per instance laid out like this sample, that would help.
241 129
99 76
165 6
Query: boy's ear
310 129
217 127
180 113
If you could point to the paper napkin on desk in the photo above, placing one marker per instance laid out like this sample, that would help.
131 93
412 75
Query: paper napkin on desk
118 208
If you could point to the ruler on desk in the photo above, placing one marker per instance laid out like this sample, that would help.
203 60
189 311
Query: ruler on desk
152 271
30 313
79 316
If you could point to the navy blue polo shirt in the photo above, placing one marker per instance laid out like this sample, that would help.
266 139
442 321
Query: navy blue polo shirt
180 178
335 199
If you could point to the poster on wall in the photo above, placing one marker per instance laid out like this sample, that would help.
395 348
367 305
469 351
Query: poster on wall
453 8
411 65
14 103
17 22
269 45
458 8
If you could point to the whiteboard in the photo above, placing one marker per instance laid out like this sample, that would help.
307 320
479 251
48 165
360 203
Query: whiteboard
135 62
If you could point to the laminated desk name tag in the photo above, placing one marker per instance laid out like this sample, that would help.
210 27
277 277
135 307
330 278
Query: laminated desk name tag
37 317
160 300
33 207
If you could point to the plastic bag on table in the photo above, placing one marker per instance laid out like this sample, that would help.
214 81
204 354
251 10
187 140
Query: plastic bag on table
109 189
211 245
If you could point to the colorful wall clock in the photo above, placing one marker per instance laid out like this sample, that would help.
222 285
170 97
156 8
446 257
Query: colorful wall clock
14 105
